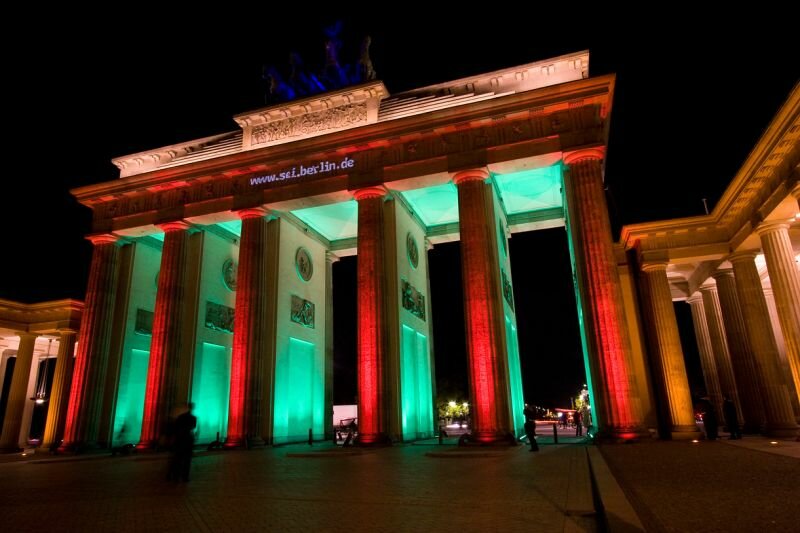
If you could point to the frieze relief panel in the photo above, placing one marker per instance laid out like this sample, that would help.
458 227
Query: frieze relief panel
346 116
413 301
302 312
219 317
144 322
508 291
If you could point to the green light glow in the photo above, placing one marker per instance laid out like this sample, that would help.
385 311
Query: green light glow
332 221
530 190
130 397
210 388
415 386
515 378
234 226
435 205
299 393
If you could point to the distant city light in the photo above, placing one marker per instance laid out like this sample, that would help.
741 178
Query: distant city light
773 442
695 441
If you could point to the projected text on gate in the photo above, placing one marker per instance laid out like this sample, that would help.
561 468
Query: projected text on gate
298 171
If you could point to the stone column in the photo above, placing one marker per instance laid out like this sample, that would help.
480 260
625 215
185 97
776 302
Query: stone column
18 394
249 339
59 393
709 365
165 345
742 357
91 361
486 357
668 354
719 345
786 371
796 194
617 409
778 412
784 278
329 260
372 402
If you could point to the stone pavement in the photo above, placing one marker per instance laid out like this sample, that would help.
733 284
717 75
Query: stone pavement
389 489
710 486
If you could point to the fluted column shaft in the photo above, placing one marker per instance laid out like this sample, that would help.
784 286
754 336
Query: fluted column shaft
707 361
91 360
786 370
785 280
617 408
719 345
17 393
668 356
59 392
742 357
778 412
479 267
249 332
165 345
372 399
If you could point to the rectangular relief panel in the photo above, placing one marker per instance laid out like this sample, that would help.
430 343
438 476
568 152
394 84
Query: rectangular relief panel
415 383
515 378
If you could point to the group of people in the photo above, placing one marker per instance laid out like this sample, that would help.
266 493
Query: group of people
711 423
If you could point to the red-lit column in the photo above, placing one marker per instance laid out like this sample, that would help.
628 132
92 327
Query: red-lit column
59 393
610 361
778 412
91 361
18 393
249 332
785 280
482 308
166 340
372 411
668 356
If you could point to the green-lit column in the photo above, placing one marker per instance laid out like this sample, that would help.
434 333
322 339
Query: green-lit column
18 394
59 393
778 412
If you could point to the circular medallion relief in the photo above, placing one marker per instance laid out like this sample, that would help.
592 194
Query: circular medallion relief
229 270
303 264
412 250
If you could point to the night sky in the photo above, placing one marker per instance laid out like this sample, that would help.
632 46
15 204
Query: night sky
692 98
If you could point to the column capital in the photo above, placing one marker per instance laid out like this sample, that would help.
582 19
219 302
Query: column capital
102 238
796 191
66 331
331 257
743 257
252 212
772 226
655 266
175 225
694 298
369 192
597 152
708 285
473 174
26 334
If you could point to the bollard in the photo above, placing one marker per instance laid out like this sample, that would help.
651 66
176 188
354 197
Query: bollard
555 433
310 437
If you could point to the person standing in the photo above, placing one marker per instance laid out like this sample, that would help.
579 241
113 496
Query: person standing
731 418
183 443
530 427
578 424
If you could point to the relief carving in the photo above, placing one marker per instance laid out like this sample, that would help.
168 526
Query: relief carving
302 312
219 317
413 300
328 119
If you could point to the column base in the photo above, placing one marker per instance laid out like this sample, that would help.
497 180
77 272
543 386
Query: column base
686 433
487 439
147 446
753 428
375 440
70 448
10 450
622 435
781 431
